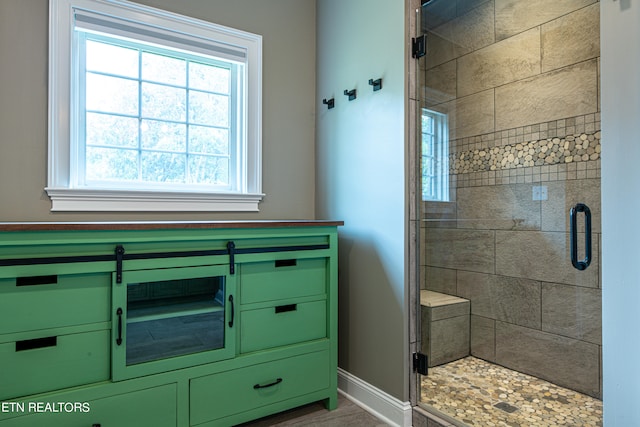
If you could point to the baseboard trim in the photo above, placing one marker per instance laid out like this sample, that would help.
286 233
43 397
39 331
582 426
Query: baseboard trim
375 401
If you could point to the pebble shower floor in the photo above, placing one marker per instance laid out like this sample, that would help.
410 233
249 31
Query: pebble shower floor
479 393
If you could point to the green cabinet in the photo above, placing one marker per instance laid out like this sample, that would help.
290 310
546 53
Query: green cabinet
154 407
165 324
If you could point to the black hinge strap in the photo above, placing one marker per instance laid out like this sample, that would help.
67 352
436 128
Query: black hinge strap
231 247
119 256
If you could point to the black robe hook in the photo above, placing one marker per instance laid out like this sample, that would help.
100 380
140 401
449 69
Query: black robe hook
351 94
377 84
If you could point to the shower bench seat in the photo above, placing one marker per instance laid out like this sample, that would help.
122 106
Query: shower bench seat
445 323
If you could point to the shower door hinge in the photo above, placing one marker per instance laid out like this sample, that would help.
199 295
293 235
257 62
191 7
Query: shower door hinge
419 46
420 363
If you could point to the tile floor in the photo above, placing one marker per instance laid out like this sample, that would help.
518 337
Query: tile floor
348 414
479 393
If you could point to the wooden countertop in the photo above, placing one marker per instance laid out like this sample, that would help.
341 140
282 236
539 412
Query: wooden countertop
160 225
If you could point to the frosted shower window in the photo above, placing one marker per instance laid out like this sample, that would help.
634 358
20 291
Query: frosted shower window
435 156
161 106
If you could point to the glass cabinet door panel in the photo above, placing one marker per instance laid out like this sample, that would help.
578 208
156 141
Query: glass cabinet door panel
174 317
170 318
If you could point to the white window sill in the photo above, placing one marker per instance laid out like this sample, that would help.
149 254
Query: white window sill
81 200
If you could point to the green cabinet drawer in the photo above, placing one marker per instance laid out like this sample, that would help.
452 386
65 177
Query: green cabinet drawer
279 279
42 302
154 407
51 363
232 392
282 325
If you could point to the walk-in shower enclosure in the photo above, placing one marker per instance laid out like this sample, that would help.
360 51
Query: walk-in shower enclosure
508 136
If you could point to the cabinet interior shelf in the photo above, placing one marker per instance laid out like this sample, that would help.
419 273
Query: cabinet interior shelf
156 310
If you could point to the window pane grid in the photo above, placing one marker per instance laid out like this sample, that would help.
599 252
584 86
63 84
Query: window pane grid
435 151
176 111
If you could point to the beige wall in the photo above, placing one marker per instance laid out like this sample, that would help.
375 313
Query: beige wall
288 30
361 179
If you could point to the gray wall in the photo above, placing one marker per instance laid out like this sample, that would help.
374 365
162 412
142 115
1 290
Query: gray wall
361 180
620 21
288 30
519 82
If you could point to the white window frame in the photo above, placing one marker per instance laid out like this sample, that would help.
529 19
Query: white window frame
440 149
66 195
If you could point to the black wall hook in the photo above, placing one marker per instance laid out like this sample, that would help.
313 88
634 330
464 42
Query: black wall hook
351 94
330 103
377 84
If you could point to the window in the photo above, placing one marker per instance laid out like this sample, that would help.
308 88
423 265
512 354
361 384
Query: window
151 110
435 156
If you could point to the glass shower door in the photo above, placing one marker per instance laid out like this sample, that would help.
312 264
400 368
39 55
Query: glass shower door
509 142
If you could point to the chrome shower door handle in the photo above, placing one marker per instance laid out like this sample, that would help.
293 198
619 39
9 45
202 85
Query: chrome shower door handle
584 263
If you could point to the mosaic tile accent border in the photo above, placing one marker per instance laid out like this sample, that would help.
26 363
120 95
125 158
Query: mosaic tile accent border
552 151
526 175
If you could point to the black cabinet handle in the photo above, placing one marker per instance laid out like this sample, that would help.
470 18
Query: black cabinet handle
36 280
119 314
36 343
286 308
286 263
584 263
259 386
95 425
232 311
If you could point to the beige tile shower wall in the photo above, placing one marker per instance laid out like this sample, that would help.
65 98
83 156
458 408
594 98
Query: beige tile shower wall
540 61
566 92
459 35
515 16
565 361
507 61
571 39
543 256
498 207
440 83
508 299
472 250
572 311
470 115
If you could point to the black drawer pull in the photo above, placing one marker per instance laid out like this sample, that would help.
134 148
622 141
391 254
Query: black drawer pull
286 263
285 308
36 343
259 386
36 280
